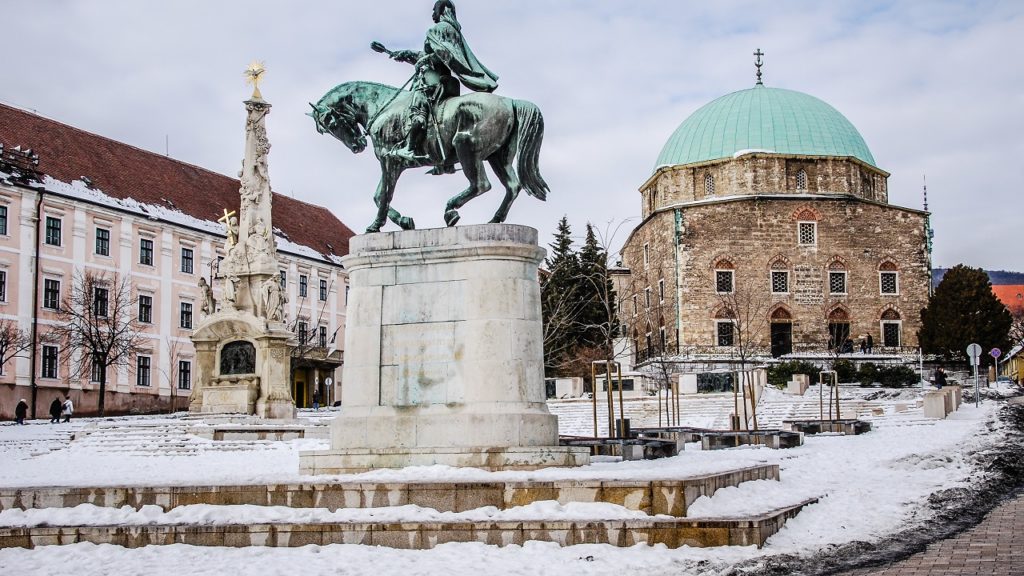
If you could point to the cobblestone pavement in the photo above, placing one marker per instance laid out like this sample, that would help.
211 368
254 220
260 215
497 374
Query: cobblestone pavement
993 548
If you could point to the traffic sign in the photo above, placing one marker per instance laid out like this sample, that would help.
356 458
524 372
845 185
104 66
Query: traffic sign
973 352
328 381
995 352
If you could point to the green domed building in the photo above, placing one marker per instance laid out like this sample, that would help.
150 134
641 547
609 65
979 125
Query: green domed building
767 221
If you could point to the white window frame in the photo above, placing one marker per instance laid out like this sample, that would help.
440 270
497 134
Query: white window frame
181 314
56 362
881 331
96 242
800 225
191 260
896 274
181 373
56 305
846 282
149 319
771 281
148 372
143 251
718 323
732 280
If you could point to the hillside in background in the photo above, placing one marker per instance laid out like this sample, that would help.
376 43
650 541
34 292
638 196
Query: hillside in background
998 277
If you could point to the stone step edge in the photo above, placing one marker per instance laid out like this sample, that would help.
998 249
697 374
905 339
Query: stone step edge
674 533
664 496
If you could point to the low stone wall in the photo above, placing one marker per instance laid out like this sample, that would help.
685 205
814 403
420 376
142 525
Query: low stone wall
847 427
87 401
668 496
420 535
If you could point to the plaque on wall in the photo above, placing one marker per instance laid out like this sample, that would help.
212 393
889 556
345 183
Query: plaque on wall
238 357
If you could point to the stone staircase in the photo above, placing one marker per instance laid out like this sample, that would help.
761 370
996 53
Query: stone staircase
352 512
166 437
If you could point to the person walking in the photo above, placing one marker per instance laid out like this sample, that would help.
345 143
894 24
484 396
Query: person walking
55 408
940 378
316 399
67 409
871 344
20 411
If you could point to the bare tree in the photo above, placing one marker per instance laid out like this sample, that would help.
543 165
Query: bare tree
98 326
563 309
13 341
173 346
746 306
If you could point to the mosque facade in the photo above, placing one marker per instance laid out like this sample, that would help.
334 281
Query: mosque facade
767 224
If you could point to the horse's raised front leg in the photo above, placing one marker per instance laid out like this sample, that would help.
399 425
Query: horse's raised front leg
501 163
389 174
473 167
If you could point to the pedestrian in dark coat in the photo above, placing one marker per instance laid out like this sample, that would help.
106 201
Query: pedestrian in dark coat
55 410
20 411
871 343
940 378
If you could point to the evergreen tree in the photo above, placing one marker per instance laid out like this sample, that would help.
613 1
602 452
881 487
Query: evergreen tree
596 293
560 305
963 310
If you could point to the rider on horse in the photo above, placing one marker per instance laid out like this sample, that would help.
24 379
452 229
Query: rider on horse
445 61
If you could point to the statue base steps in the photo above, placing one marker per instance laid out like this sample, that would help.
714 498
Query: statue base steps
357 460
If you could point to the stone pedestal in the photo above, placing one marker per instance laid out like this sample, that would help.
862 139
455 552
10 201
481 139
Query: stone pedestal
443 355
258 387
935 402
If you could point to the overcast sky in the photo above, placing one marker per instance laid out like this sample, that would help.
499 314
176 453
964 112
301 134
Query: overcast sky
935 88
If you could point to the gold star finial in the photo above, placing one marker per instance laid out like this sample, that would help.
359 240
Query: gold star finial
253 75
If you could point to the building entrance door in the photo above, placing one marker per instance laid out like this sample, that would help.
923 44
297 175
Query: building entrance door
782 338
299 392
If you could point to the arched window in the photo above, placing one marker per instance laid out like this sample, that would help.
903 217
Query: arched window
888 278
837 277
709 185
801 180
724 276
891 328
838 327
779 276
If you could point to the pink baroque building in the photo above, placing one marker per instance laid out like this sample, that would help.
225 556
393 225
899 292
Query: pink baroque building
72 201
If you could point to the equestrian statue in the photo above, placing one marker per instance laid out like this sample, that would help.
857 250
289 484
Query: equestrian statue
433 125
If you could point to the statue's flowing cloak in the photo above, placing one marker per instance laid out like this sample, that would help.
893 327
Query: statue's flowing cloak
445 40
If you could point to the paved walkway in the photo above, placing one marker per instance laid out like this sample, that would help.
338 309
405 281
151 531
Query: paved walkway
993 548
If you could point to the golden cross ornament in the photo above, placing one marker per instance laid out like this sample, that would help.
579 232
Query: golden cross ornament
252 76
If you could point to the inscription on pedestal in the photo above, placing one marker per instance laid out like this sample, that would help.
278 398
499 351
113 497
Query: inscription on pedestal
417 360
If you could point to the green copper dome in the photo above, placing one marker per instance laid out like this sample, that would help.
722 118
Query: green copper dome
764 120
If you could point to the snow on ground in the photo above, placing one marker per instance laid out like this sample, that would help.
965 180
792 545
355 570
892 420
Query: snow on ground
869 486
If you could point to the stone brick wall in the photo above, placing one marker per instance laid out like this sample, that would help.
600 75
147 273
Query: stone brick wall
754 233
764 174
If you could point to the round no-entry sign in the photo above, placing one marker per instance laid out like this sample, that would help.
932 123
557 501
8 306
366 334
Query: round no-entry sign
973 351
995 352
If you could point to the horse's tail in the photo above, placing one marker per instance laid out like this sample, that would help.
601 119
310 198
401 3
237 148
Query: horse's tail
530 133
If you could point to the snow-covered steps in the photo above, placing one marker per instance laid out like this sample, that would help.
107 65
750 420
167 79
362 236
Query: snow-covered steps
668 496
418 534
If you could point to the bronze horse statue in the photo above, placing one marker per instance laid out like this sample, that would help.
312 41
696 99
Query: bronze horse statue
466 130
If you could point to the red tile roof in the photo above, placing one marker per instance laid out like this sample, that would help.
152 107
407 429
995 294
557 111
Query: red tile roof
122 171
1011 295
